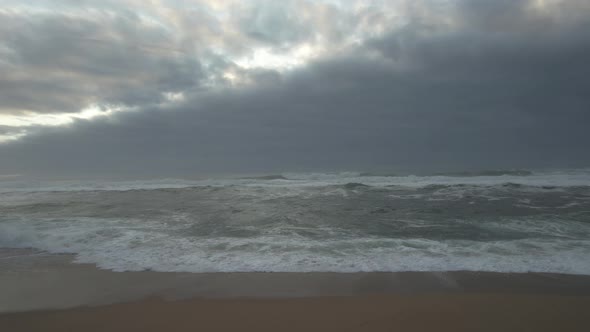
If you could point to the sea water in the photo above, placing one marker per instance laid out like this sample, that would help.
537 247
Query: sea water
505 221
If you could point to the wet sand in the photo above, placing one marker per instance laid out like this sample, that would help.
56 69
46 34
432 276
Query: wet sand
41 292
449 312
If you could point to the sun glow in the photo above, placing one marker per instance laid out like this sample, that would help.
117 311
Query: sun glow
26 121
36 119
12 137
544 5
267 58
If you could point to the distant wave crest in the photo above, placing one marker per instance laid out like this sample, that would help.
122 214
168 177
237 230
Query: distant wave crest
502 172
267 177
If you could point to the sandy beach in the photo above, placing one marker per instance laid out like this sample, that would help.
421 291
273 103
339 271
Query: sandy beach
450 312
42 292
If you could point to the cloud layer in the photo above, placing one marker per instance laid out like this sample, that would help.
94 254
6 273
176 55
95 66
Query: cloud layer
256 86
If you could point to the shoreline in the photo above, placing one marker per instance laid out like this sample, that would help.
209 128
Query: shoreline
32 280
45 292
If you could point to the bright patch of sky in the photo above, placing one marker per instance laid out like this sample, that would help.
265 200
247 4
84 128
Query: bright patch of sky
33 119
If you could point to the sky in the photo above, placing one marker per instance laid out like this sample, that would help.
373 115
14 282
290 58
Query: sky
181 88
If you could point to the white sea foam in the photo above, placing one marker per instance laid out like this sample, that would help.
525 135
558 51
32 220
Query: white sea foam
130 245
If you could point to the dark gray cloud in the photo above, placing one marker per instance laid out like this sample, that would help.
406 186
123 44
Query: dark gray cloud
64 56
57 62
502 85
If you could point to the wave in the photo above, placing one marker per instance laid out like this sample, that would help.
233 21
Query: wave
267 177
565 178
499 172
502 172
332 222
125 245
379 174
354 185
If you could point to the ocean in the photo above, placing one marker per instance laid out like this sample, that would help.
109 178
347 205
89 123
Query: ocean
503 221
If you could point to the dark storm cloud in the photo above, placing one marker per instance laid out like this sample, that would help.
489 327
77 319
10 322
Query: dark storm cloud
502 85
499 58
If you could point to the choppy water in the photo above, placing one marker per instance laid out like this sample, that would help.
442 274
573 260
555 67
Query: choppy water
492 221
